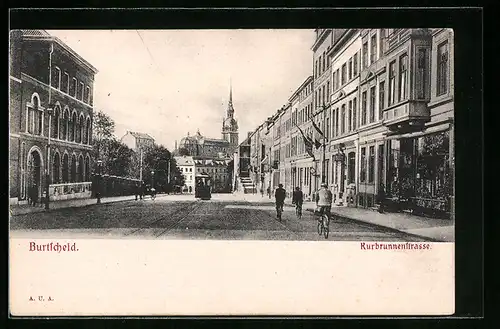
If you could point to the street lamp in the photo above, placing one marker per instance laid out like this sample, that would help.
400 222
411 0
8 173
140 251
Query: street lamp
98 187
152 179
49 110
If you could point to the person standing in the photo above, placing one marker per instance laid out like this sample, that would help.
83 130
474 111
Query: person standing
298 198
381 199
34 195
280 196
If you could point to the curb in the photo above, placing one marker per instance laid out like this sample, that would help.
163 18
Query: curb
386 228
69 207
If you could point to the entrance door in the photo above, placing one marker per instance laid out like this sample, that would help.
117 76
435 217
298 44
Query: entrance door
351 167
34 171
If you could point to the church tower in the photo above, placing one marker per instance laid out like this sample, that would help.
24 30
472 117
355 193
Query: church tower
230 125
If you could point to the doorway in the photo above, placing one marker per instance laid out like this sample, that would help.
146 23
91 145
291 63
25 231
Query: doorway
34 170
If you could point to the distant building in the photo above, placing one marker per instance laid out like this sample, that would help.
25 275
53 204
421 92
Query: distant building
50 117
199 145
137 140
187 167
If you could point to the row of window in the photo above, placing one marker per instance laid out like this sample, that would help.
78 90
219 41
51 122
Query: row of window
321 64
74 88
70 128
346 73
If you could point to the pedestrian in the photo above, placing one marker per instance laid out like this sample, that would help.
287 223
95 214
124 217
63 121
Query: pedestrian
280 196
34 195
381 199
136 191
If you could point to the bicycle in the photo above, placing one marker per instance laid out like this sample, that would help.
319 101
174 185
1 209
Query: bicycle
324 225
279 211
298 210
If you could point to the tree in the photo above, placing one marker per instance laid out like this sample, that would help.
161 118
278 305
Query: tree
103 128
117 158
158 159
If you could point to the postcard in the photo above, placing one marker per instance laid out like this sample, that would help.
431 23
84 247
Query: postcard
232 172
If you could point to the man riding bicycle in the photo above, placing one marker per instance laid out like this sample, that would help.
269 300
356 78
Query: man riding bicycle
280 196
324 201
298 198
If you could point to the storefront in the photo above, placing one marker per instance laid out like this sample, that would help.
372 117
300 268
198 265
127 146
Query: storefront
419 176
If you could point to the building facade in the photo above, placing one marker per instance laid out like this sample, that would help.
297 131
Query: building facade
137 140
383 99
50 117
217 169
186 166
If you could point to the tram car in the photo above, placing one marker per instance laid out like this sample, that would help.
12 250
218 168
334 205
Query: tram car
203 187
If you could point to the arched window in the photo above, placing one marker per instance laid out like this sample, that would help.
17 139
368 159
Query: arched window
65 123
81 169
87 169
88 132
73 168
55 122
65 168
81 127
73 129
56 165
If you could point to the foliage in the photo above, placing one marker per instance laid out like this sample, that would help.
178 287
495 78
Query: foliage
103 128
157 159
117 158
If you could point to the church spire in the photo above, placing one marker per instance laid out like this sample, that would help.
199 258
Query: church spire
230 91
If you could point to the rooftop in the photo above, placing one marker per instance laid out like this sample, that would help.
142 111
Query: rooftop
140 135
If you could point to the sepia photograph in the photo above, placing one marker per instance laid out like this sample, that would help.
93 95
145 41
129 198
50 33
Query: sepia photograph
294 144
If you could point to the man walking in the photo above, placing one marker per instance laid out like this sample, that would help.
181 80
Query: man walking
298 199
280 196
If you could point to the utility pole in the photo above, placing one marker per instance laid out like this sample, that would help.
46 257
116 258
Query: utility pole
323 176
140 165
168 169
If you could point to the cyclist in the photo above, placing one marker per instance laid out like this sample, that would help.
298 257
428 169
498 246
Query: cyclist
324 201
280 196
298 199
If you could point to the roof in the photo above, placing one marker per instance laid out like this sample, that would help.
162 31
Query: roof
44 36
34 33
184 160
307 81
140 135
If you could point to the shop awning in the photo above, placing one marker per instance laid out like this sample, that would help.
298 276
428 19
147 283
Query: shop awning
429 130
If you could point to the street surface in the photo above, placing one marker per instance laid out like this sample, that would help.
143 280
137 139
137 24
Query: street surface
183 217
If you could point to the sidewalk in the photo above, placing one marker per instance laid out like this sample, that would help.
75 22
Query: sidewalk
439 230
26 209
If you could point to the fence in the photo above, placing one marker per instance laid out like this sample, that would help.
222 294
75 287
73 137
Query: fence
114 185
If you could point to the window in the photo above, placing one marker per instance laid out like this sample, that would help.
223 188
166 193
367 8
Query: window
344 73
350 68
381 99
392 81
371 165
383 42
324 61
74 87
363 109
349 119
373 51
372 104
403 76
365 54
316 69
328 93
81 91
56 78
337 78
337 122
87 95
362 174
342 123
334 78
354 111
65 83
442 68
355 64
422 78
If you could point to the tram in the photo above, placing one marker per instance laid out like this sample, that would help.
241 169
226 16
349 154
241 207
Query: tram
203 187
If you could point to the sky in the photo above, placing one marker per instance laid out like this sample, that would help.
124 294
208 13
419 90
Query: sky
170 82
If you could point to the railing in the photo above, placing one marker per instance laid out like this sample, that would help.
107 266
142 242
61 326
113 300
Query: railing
69 188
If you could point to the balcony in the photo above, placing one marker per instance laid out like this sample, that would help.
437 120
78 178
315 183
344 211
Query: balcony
68 191
407 116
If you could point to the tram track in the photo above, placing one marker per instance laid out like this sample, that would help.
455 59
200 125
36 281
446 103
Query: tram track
178 216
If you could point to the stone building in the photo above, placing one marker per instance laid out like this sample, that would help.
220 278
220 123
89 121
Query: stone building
50 117
137 140
384 100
